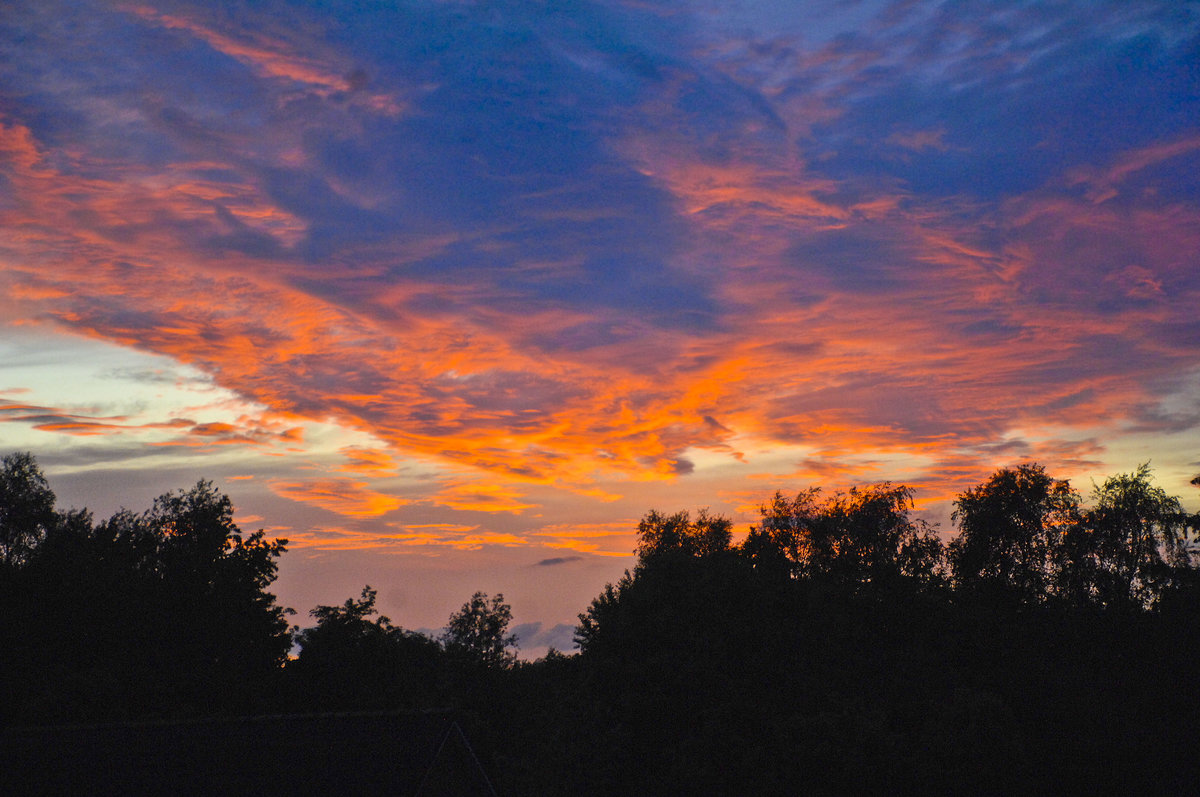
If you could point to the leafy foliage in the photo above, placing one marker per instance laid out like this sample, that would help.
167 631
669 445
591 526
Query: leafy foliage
678 534
478 632
1011 529
1133 541
26 508
863 537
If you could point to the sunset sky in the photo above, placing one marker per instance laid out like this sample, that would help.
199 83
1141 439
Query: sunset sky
449 294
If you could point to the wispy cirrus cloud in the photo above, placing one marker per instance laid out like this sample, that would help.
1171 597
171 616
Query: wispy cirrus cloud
580 251
246 431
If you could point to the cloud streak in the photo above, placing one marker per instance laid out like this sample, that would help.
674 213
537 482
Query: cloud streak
342 496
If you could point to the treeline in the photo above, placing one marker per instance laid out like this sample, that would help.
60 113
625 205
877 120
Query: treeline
166 614
1050 647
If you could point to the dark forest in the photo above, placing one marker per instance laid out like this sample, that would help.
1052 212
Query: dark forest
842 646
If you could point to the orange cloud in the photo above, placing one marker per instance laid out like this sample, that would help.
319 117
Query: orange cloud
341 496
427 538
79 428
867 322
268 57
368 462
274 58
616 538
334 538
481 497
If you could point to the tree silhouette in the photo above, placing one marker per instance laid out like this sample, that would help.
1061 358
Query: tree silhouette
478 632
825 654
355 658
26 508
1010 530
779 542
678 534
157 612
1132 542
864 536
215 579
671 549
